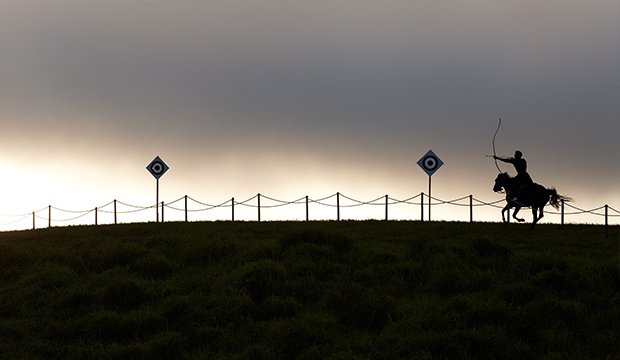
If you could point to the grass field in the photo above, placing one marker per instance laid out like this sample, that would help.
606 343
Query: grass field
310 290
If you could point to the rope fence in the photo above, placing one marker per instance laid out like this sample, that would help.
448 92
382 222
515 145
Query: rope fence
386 201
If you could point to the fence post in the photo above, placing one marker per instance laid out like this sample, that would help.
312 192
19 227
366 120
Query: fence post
232 201
471 208
114 211
258 207
606 222
33 227
162 211
338 206
185 208
386 207
422 206
307 212
49 216
95 215
562 214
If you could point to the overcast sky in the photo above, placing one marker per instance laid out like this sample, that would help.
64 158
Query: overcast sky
305 98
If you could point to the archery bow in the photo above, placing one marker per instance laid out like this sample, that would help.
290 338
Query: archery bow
494 154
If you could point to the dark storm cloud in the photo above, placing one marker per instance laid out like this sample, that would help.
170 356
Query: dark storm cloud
316 61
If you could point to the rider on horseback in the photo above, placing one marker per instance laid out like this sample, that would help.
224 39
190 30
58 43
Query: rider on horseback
523 178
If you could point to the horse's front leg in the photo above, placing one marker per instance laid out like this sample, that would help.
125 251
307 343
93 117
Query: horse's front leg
514 215
503 212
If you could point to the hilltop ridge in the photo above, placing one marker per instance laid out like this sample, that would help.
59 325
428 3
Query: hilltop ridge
309 290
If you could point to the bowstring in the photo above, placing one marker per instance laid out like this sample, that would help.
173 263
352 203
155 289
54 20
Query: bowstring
506 138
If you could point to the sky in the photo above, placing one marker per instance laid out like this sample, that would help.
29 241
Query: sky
294 99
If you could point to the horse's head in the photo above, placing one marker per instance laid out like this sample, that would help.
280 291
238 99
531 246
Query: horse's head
501 181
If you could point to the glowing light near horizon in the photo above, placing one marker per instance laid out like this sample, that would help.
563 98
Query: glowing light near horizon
325 210
26 191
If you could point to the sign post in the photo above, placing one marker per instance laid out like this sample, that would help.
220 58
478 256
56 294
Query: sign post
429 163
157 168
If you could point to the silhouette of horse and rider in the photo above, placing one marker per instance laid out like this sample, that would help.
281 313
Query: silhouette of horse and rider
521 191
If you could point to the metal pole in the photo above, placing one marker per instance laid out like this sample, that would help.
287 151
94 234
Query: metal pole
258 207
338 206
95 216
307 212
429 198
49 216
114 211
185 208
33 217
232 201
157 202
162 211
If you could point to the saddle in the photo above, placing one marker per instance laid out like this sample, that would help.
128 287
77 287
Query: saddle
516 194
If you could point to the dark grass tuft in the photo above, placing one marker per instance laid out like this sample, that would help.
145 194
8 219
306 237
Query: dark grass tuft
339 243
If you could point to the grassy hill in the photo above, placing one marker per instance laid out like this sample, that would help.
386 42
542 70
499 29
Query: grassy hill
310 290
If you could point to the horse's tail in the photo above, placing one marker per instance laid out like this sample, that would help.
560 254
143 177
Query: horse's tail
556 198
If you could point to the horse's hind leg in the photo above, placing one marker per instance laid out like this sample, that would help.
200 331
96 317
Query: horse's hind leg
541 214
536 216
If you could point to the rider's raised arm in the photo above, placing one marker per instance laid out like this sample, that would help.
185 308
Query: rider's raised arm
504 159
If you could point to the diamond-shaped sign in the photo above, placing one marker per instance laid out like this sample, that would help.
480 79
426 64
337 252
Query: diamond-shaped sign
430 162
157 167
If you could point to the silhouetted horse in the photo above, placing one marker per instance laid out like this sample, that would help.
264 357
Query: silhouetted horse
533 195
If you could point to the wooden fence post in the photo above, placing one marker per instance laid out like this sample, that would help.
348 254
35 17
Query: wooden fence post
386 207
471 208
49 216
114 211
606 222
258 207
185 208
95 215
307 211
422 206
562 214
232 201
33 217
338 206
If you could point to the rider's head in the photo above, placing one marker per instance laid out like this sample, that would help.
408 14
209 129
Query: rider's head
518 154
